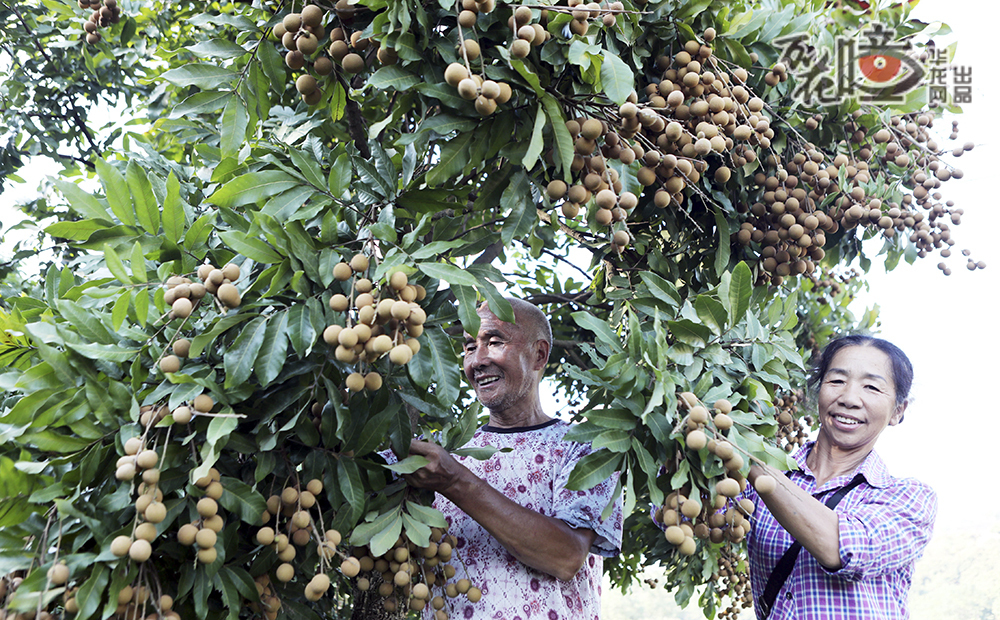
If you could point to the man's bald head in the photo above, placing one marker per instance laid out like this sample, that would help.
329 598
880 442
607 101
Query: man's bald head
528 317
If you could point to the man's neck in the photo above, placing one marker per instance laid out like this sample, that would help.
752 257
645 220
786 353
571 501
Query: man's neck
518 418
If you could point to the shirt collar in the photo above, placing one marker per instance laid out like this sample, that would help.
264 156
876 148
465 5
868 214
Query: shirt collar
873 469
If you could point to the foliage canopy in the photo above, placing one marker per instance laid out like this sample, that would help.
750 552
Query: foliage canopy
641 171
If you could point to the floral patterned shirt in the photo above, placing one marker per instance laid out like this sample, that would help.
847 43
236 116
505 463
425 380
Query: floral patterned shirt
533 474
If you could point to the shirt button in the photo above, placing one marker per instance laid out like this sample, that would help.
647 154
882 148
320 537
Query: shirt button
788 595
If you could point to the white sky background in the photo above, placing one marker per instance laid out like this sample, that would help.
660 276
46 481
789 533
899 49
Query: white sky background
945 324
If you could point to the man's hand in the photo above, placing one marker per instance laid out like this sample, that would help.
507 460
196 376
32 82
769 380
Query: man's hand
441 472
544 543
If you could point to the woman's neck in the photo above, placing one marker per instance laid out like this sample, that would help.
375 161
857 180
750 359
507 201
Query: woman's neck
828 462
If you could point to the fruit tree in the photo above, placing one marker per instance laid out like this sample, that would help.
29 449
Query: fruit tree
273 219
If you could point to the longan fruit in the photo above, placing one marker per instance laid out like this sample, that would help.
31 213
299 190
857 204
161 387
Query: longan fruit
147 459
156 512
132 446
206 538
359 263
182 307
696 440
400 354
373 381
120 546
265 536
229 295
722 421
350 567
231 272
146 531
208 556
203 403
765 485
207 507
728 487
463 585
140 550
58 574
455 73
474 594
187 534
353 63
214 490
397 281
674 535
181 347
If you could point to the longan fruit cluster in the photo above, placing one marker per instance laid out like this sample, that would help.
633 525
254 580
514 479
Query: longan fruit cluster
386 321
697 515
183 295
104 13
269 603
791 433
203 532
486 93
732 581
526 34
409 574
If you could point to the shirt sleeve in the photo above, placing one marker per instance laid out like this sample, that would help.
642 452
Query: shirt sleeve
887 530
583 509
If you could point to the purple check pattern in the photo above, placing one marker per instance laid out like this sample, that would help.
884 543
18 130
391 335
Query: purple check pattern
885 524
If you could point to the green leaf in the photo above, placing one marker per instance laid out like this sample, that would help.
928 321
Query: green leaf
115 265
253 188
661 289
116 191
217 48
600 328
467 303
301 333
80 201
204 76
449 273
454 157
174 218
537 143
239 359
522 214
594 469
445 365
147 210
616 78
274 349
138 263
426 514
394 77
253 248
88 598
563 140
689 332
203 102
80 230
723 249
711 312
384 540
740 290
241 499
234 127
408 465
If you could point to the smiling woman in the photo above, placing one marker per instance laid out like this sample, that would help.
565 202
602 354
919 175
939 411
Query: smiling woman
860 556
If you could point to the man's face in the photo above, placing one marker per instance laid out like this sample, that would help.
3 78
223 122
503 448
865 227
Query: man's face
502 363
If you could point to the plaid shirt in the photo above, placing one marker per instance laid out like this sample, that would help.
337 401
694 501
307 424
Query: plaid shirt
885 523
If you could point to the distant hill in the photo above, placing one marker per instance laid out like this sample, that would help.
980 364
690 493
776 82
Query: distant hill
957 579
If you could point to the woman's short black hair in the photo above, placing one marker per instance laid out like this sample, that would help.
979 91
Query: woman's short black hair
902 369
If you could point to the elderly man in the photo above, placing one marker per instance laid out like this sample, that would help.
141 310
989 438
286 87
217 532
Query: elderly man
533 547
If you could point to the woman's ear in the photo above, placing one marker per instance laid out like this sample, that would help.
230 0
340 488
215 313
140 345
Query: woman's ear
898 414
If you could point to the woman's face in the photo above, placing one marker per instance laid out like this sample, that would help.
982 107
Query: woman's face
857 399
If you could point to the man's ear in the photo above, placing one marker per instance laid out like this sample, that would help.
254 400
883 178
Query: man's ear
898 414
542 349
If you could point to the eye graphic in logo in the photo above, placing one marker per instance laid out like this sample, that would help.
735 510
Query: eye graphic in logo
889 73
